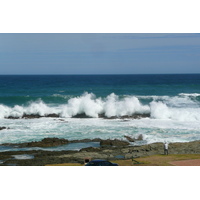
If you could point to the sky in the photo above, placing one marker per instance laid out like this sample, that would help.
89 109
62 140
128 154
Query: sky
99 53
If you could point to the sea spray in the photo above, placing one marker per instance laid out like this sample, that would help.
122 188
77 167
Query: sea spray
127 106
86 104
160 110
175 108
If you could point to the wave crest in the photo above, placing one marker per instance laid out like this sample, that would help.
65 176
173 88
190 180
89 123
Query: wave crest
176 108
86 104
160 110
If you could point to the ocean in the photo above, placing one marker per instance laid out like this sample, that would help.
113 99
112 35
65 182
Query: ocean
170 105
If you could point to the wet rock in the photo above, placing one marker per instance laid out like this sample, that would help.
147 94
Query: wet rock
52 115
3 127
113 143
90 149
102 115
140 137
49 142
109 152
128 156
85 140
11 117
32 116
134 116
130 139
46 142
82 115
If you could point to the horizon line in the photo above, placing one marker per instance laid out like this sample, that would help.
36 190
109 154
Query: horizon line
96 74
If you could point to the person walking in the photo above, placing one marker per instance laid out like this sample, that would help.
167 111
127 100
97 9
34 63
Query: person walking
165 148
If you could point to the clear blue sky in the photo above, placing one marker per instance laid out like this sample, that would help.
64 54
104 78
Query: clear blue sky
95 53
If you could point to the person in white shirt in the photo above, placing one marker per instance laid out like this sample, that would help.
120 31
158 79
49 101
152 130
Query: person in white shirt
165 148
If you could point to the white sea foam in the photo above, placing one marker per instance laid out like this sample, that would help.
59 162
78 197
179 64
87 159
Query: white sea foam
23 157
152 129
111 106
37 107
128 106
190 94
160 110
180 108
87 104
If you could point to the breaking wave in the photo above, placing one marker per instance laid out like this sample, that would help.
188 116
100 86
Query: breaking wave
86 104
160 110
181 107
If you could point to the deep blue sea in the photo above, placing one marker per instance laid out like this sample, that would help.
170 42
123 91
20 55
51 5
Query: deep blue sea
172 102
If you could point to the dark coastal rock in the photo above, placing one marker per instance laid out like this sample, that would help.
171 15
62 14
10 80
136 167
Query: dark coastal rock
46 142
130 139
134 116
102 115
85 140
140 137
3 127
52 115
52 142
82 115
187 147
41 157
90 149
49 142
33 116
11 117
113 143
26 116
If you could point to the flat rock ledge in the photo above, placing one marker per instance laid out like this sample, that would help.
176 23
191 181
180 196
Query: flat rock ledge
53 142
103 152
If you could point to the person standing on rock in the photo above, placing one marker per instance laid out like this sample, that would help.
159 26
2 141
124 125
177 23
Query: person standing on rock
165 148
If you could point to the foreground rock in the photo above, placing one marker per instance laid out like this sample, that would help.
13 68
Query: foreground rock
130 139
46 142
107 152
115 142
52 142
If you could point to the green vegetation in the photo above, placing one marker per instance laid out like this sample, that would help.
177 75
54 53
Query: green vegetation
155 160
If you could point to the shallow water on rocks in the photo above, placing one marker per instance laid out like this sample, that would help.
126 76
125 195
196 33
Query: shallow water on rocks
23 157
71 146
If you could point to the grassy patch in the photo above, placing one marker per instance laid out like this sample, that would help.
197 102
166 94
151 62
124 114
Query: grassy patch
163 160
155 160
66 164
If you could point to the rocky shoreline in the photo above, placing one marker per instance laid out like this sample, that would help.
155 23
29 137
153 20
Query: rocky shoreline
82 115
108 149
